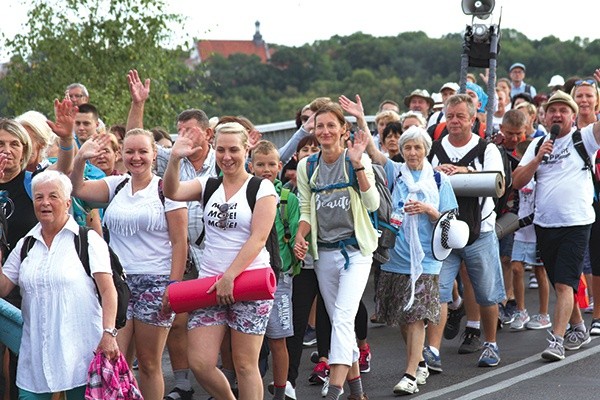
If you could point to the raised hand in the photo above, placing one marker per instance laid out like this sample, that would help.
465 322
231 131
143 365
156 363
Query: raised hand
139 91
597 75
353 108
184 145
64 113
94 147
357 147
254 136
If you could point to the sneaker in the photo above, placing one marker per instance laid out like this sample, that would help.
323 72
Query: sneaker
506 313
528 267
521 318
325 388
555 350
490 357
406 386
135 365
574 339
533 283
595 328
320 373
589 309
471 341
310 337
179 394
422 375
539 321
434 363
453 324
290 391
364 360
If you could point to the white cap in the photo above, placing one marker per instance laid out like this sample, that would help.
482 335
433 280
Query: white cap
556 80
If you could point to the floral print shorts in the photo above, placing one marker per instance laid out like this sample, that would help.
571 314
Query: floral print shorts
250 317
145 302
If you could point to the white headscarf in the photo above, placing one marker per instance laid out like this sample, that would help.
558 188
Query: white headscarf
428 187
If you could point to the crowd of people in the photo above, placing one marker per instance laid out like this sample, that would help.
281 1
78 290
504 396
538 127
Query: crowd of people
208 203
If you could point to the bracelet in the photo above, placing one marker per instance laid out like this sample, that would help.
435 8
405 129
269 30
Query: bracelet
359 169
66 148
171 282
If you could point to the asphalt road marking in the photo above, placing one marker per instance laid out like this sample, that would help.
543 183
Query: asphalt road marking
545 368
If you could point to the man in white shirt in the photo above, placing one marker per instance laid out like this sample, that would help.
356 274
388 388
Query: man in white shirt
563 213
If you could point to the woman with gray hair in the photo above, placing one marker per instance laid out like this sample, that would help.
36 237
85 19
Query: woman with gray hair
62 319
408 291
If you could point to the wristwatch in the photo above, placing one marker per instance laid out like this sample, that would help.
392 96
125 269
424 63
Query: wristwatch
111 331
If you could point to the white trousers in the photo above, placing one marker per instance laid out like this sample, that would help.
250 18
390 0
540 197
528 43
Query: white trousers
342 290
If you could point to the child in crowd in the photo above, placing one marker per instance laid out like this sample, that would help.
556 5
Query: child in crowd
525 252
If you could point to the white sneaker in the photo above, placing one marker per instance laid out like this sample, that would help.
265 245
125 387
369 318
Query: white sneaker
325 388
290 391
406 386
422 375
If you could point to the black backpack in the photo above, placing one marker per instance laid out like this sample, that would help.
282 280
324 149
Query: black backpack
272 244
118 276
469 208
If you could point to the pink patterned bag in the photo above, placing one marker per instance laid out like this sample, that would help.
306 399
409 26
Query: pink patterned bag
111 380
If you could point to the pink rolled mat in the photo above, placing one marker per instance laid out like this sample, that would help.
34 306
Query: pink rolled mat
256 284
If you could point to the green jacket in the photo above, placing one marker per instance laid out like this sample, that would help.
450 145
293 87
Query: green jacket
292 215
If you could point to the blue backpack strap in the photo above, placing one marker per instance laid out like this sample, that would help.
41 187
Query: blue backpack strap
27 184
311 164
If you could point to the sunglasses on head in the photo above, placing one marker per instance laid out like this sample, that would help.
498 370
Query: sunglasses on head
590 82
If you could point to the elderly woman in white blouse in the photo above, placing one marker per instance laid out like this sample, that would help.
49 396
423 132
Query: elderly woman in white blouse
63 321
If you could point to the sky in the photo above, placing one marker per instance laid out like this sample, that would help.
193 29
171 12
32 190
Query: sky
297 22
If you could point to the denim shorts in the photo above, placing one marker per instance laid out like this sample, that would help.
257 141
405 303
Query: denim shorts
280 321
248 317
525 252
482 259
145 303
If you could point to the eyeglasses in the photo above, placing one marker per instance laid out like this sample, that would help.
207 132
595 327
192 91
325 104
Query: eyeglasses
223 216
590 82
76 96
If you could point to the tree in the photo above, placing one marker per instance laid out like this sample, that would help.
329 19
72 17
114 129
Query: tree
95 42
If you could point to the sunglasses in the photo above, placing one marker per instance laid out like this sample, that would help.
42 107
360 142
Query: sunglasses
223 216
590 82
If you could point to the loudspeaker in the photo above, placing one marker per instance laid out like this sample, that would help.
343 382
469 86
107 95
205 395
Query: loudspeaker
478 8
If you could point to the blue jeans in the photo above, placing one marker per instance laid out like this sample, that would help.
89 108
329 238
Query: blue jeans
482 259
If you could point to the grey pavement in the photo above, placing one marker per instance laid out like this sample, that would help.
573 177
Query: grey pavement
522 374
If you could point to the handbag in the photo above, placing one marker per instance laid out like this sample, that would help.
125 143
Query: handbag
111 380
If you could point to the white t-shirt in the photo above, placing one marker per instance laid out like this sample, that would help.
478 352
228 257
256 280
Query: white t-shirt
564 190
222 245
526 207
61 313
492 162
138 228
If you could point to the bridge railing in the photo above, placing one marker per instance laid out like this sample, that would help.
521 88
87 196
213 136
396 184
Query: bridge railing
280 132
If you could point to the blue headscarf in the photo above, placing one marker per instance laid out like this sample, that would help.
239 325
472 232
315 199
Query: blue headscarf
483 97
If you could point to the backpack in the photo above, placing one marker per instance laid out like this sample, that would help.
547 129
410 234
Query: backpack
287 234
580 148
380 218
118 275
4 246
272 243
469 208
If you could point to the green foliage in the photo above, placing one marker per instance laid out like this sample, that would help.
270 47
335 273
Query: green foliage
96 43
